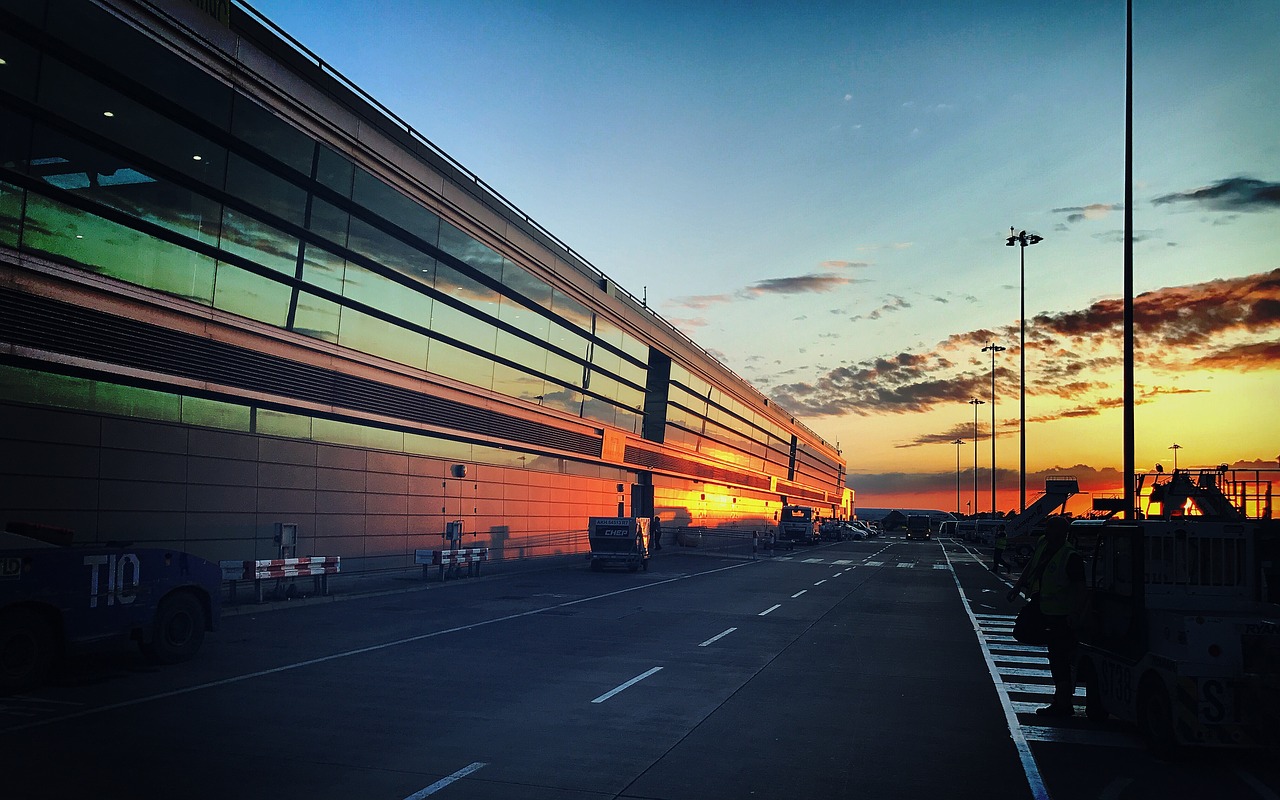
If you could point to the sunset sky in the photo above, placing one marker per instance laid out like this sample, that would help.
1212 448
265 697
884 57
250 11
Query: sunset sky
820 193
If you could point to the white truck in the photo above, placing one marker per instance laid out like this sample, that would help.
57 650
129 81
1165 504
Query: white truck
1182 633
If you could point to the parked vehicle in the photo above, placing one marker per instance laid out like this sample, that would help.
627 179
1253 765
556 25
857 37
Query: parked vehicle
618 542
57 599
1183 635
796 525
919 527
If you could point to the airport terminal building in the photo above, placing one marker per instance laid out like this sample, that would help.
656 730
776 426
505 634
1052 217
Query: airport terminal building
236 292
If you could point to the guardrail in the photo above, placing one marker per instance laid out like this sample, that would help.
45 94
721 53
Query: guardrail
319 568
472 557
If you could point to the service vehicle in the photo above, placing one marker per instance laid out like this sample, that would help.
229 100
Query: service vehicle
57 599
919 526
1182 636
796 526
618 542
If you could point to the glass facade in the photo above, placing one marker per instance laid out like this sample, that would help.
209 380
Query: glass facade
121 158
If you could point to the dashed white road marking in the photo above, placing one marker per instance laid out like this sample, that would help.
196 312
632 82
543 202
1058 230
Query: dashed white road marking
770 609
797 594
626 685
443 782
717 637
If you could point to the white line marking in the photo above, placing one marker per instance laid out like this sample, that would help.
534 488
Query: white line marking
941 566
905 565
1029 767
812 561
837 575
717 637
629 683
358 651
819 583
875 563
1038 733
797 594
769 609
443 782
842 561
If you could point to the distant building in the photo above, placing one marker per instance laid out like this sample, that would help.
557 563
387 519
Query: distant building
235 292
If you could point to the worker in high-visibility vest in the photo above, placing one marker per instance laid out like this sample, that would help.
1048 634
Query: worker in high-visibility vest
997 552
1054 578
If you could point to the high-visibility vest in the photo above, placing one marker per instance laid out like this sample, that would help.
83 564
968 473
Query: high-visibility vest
1052 583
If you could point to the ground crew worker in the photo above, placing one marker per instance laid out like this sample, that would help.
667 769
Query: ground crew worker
1054 578
997 554
655 533
755 544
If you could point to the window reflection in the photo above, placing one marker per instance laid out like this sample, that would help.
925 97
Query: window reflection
252 184
378 337
453 362
114 182
335 171
10 213
398 209
259 242
317 317
251 295
116 250
468 250
329 221
517 383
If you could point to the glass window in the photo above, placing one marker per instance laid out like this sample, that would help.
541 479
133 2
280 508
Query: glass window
323 269
251 183
600 410
317 317
468 250
261 128
383 293
18 73
259 242
10 213
280 423
454 362
532 357
572 342
335 171
117 251
563 370
92 105
129 401
328 430
215 414
523 318
516 383
562 398
114 182
455 284
329 221
572 311
378 337
111 41
396 208
251 295
464 327
635 348
605 331
391 252
530 286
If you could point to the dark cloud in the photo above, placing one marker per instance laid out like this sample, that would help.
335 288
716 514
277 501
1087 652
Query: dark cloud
819 283
1232 194
1220 324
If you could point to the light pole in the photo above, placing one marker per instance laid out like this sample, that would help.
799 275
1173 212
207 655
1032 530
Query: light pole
975 402
1022 240
957 443
1175 448
994 348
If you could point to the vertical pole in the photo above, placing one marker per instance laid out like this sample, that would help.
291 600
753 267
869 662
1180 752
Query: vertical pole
1130 503
993 430
1022 379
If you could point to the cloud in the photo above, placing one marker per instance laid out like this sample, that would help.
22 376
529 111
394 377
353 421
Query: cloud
1232 194
1090 212
813 283
1231 323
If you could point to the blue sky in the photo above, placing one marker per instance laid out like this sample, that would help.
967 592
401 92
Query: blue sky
819 193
